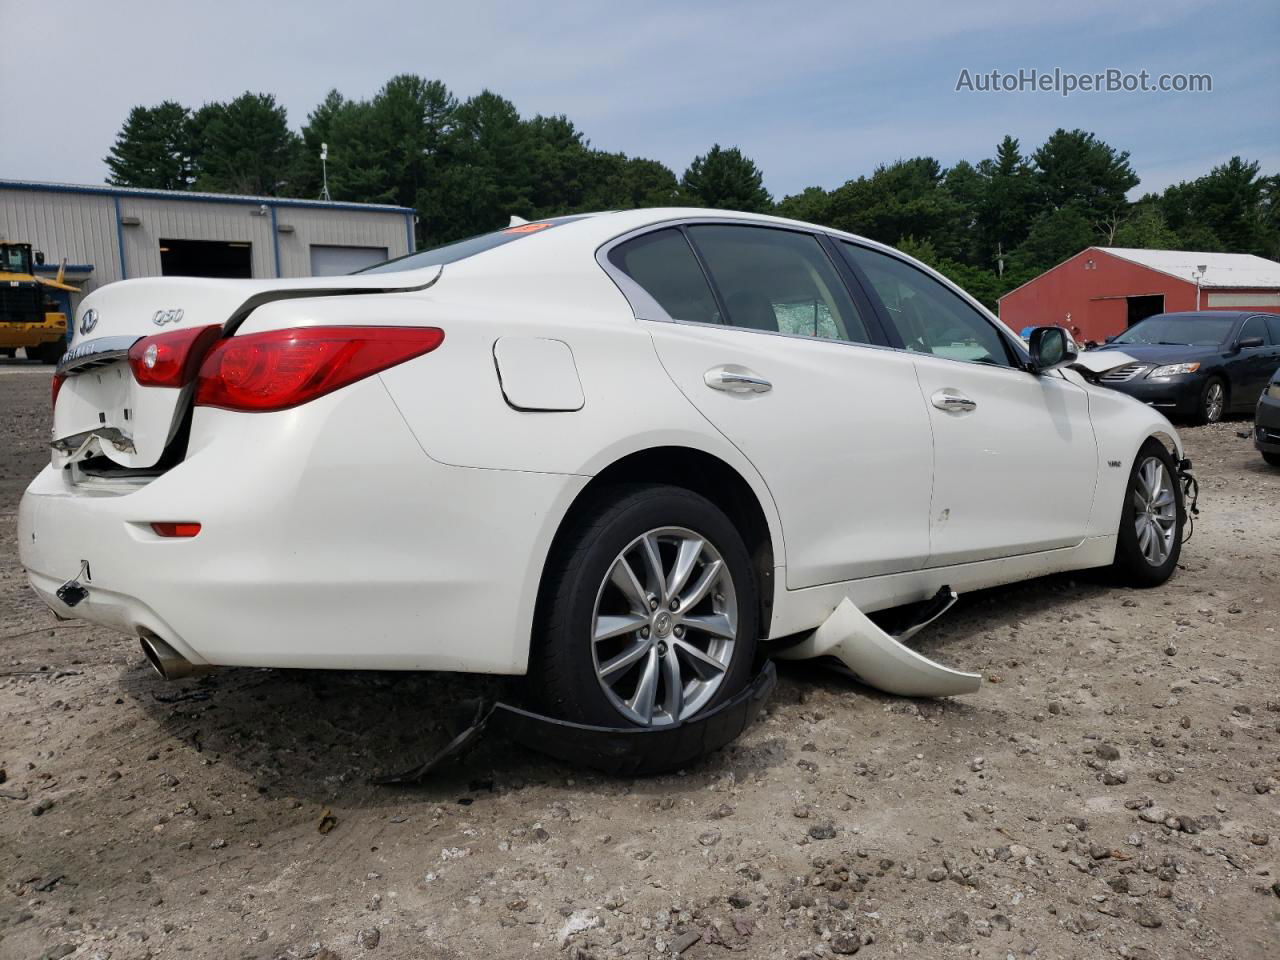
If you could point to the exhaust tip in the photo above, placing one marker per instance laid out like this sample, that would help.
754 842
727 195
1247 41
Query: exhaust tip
168 662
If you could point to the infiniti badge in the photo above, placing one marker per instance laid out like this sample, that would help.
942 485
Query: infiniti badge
88 321
166 316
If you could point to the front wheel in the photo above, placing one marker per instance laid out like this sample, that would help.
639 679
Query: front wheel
649 612
1151 520
1212 403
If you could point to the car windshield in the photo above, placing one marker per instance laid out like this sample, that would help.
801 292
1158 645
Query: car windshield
1179 331
461 249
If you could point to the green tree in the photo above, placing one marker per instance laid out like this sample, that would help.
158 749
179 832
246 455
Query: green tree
726 179
1145 228
488 177
319 129
619 182
1075 168
812 205
1054 236
900 199
153 149
245 146
1230 203
559 165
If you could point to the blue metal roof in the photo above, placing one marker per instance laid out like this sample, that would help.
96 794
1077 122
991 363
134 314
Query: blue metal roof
71 267
108 190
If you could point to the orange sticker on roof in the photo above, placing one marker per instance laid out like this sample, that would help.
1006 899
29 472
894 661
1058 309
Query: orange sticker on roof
528 228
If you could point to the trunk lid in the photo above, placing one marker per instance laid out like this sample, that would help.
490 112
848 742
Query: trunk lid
101 410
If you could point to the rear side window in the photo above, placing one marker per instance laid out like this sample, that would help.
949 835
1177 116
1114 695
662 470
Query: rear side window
1273 324
666 269
778 280
927 316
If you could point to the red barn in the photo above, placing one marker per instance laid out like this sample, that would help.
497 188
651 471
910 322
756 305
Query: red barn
1101 291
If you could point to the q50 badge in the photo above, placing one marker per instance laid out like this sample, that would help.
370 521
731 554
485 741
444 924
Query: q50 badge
166 316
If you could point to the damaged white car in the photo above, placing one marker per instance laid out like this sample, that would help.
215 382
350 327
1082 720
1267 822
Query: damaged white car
619 453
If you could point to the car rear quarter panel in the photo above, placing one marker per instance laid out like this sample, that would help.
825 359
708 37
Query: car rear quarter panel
452 398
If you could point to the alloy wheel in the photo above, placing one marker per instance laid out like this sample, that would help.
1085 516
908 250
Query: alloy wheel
1214 401
1155 511
664 627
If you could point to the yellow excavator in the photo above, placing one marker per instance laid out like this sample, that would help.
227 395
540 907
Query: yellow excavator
29 316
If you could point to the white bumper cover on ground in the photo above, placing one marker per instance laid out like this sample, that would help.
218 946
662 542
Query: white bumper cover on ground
879 659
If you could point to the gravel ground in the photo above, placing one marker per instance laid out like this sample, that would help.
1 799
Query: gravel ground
1112 791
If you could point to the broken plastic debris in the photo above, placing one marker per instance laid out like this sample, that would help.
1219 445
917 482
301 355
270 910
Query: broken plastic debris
879 659
621 751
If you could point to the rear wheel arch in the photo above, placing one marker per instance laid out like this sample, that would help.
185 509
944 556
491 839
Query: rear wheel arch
691 469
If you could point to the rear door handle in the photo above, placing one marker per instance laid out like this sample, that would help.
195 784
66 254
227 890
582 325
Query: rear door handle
953 401
732 378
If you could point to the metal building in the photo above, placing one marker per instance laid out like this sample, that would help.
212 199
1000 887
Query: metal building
1102 291
108 233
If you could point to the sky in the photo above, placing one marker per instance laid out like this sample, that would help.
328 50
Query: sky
816 94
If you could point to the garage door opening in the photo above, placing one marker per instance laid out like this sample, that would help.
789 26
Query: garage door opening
328 260
1142 307
206 258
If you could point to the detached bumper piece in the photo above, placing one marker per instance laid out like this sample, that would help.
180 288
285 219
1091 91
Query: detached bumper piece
618 751
880 659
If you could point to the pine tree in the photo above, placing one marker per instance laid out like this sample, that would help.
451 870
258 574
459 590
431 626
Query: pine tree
153 149
726 180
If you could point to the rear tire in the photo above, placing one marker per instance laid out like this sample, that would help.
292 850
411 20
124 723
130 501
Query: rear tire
1149 541
695 625
1212 405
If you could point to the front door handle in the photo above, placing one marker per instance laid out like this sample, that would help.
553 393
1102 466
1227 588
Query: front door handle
953 401
732 378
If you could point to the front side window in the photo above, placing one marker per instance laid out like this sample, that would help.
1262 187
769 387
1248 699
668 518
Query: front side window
778 280
666 269
1254 327
928 317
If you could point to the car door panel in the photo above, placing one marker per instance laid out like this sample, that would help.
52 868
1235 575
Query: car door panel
841 439
1014 474
759 329
1015 458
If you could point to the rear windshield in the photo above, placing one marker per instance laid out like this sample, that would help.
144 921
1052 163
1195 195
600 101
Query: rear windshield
1179 331
461 249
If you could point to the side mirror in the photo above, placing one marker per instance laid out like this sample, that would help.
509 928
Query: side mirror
1248 342
1051 347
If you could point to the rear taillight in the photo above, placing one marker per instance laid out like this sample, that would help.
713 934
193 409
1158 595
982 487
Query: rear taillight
279 369
58 380
171 359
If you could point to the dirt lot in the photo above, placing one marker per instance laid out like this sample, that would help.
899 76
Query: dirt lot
1114 790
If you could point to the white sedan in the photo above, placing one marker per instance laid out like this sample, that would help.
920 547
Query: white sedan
619 453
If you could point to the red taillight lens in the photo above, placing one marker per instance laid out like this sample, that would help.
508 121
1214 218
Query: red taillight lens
171 359
58 380
284 368
176 529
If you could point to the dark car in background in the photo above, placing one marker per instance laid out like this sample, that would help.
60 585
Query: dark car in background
1198 366
1266 422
